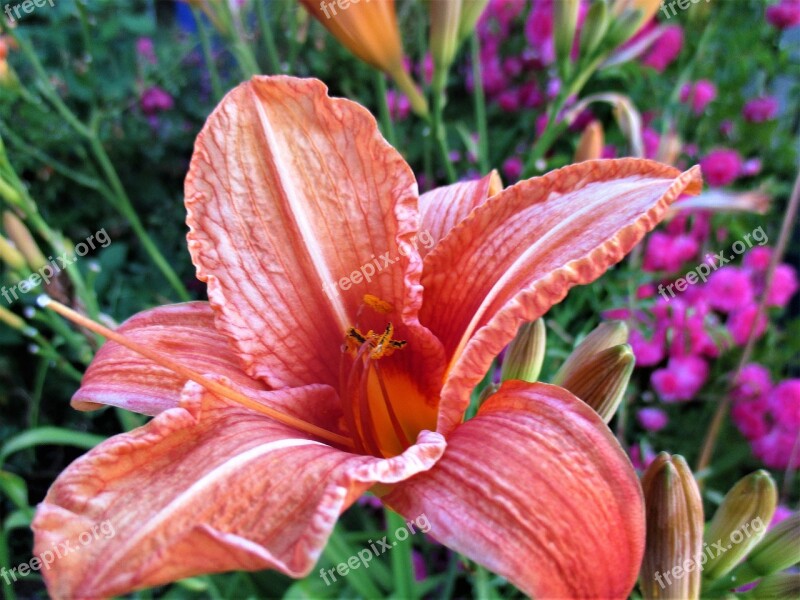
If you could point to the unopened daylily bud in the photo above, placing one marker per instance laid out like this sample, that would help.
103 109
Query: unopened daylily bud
11 256
781 586
671 568
602 380
779 549
622 29
12 320
647 8
669 149
565 19
471 11
525 354
590 146
740 522
369 30
602 337
23 240
445 18
594 27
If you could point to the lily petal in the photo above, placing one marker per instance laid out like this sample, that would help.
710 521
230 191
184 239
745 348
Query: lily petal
185 333
289 192
520 252
443 208
536 489
216 488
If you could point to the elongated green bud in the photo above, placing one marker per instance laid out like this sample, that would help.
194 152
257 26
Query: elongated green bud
779 550
565 19
594 27
605 335
525 354
445 18
471 11
781 586
601 381
671 568
740 522
23 240
11 256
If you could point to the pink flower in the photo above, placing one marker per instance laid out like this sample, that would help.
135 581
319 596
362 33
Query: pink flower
650 140
776 448
781 514
784 15
145 49
759 110
539 31
667 253
652 419
155 100
698 95
648 353
426 69
681 379
665 49
750 418
641 456
783 287
729 289
509 100
726 127
751 167
721 167
758 258
740 322
784 403
399 105
512 168
753 382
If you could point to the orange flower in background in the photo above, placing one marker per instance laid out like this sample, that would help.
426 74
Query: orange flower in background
337 354
369 30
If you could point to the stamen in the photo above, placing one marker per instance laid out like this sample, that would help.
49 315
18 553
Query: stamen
212 386
398 429
377 304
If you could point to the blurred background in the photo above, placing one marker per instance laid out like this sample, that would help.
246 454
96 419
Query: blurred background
100 103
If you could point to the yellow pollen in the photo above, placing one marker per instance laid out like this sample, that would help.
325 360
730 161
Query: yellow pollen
380 344
377 304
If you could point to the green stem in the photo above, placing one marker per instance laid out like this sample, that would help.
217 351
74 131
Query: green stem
126 208
402 562
480 105
437 125
208 54
481 579
269 39
383 106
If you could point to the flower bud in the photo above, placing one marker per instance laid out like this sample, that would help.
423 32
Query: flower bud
525 354
565 19
781 586
23 240
740 522
471 11
602 380
445 20
605 335
594 27
778 550
590 146
647 8
671 568
11 256
12 320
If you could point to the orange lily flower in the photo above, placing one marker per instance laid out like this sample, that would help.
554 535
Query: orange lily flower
348 321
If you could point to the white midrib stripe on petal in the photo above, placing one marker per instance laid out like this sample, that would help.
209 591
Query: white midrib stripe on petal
298 211
179 504
520 262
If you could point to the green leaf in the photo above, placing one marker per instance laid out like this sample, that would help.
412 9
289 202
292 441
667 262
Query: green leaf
54 436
